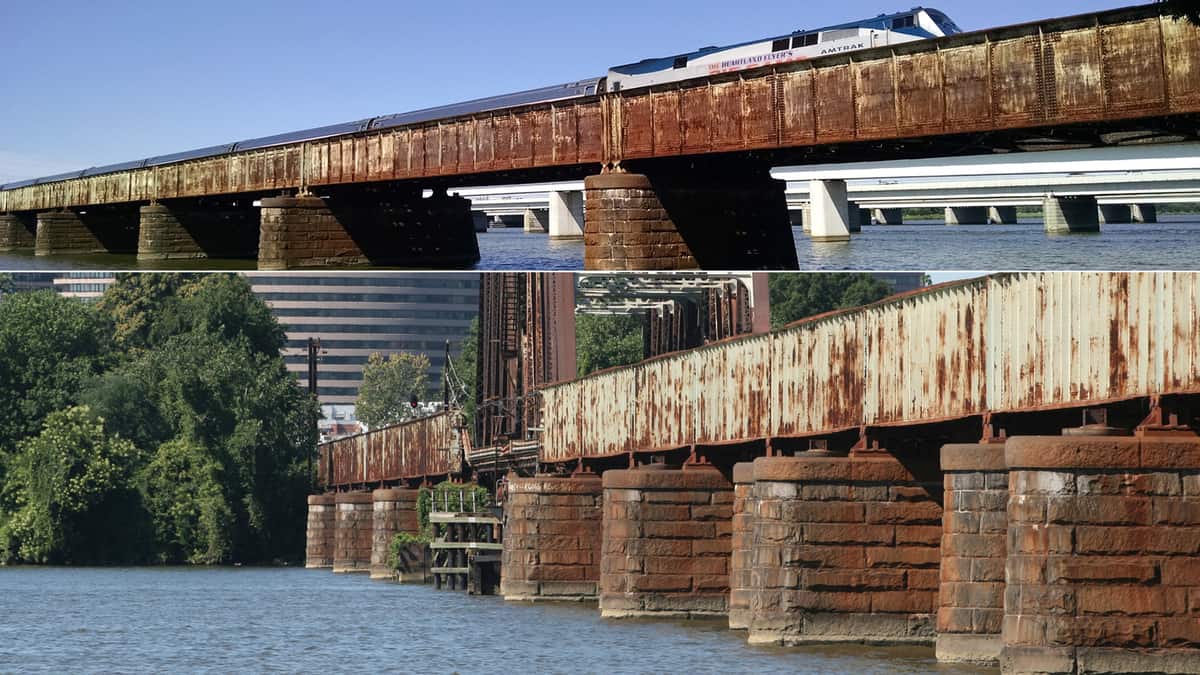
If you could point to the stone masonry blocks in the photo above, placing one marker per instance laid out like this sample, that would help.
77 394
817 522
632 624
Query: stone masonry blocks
1103 564
320 534
17 231
742 556
353 530
975 527
552 538
394 511
97 230
845 549
203 230
627 228
666 543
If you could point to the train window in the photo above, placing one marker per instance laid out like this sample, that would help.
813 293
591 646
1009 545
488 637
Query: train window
904 21
680 62
780 45
804 40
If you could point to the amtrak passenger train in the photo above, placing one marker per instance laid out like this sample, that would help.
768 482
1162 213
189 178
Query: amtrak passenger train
918 23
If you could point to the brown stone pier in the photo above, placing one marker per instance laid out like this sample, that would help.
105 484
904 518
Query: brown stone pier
207 228
687 218
97 229
394 511
741 560
975 526
17 231
320 534
845 549
667 541
1103 555
353 532
552 538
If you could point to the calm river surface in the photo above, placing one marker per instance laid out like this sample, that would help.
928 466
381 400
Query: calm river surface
1172 243
287 619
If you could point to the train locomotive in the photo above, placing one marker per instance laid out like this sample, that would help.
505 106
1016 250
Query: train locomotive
886 29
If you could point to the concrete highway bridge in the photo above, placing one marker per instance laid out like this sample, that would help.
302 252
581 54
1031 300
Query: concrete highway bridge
678 176
1007 468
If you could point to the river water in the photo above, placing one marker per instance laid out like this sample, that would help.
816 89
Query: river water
293 620
1172 243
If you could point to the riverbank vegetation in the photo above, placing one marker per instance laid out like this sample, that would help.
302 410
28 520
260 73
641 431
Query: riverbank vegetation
158 425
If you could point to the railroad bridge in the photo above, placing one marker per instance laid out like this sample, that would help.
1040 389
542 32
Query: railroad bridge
1006 467
677 176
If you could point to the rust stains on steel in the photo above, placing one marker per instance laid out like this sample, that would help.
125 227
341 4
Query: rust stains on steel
1005 343
1115 65
424 447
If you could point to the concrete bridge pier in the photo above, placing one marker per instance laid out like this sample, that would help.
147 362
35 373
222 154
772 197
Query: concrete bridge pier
512 221
371 225
552 538
480 220
975 528
320 533
1115 213
1143 213
1065 215
17 231
96 229
394 511
684 217
966 215
1102 570
667 542
1002 215
353 532
846 549
537 221
858 217
888 216
796 218
206 228
566 214
831 214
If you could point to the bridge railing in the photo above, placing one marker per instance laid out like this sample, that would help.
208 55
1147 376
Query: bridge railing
413 449
998 344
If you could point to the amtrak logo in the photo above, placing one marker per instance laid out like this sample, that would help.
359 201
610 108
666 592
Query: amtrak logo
843 48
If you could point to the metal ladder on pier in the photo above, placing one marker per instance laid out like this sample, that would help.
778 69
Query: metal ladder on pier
466 550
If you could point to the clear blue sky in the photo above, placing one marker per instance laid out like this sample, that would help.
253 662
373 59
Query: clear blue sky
90 83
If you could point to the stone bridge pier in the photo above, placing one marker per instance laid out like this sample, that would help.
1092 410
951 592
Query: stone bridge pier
678 215
198 228
552 537
390 225
320 536
393 511
95 229
17 231
353 532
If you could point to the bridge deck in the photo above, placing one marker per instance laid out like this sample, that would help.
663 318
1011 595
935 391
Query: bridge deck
1106 67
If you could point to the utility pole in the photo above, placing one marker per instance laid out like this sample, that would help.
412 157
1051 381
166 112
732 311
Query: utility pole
314 352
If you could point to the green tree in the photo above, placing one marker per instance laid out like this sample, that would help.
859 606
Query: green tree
189 509
388 384
603 341
6 283
798 296
49 347
73 495
133 301
464 367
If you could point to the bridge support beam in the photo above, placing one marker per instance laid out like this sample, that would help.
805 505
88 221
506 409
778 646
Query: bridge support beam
975 526
198 229
96 229
537 221
858 217
1070 214
395 511
480 220
889 216
17 231
831 218
552 538
1102 574
320 532
1143 213
1115 213
566 214
666 543
741 561
845 549
687 219
367 226
966 215
1002 215
353 530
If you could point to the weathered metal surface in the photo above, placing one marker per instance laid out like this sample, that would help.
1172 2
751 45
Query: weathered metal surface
1109 66
422 447
1006 343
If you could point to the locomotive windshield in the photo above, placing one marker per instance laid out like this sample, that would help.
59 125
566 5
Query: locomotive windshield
948 27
